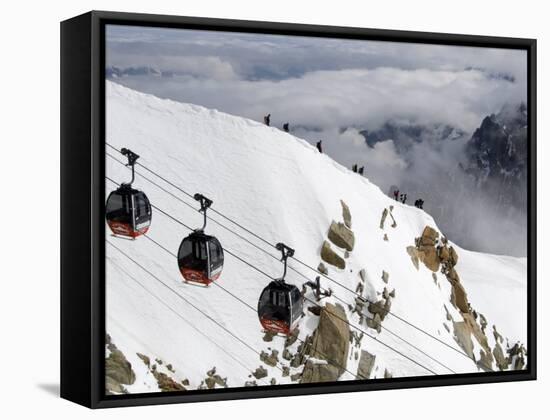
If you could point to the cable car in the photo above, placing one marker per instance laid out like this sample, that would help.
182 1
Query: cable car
200 256
128 210
280 306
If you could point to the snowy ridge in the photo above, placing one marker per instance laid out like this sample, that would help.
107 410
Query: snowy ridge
281 188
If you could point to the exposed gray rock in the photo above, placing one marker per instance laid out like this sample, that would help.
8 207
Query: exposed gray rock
462 335
118 370
268 336
366 363
501 361
383 218
341 236
260 372
375 323
331 343
287 355
346 214
331 257
296 377
459 298
270 359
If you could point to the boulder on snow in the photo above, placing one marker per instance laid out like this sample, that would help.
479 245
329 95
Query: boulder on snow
331 257
341 236
260 372
346 215
383 218
366 364
322 268
330 343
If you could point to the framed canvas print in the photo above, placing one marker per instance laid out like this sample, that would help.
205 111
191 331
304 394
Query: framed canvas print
255 209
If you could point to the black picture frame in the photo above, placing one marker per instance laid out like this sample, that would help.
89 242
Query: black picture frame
83 192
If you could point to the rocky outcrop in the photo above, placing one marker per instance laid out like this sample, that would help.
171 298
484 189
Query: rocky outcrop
319 372
459 297
436 253
463 337
118 370
366 364
270 359
464 331
212 379
330 343
346 214
501 361
260 372
426 248
166 383
330 257
516 356
341 236
383 218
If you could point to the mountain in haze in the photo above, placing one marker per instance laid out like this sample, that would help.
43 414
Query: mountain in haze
472 184
405 134
497 156
114 72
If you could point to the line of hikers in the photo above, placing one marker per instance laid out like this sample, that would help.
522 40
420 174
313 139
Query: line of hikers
358 170
286 129
419 203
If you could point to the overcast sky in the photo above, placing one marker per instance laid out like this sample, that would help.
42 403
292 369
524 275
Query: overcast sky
318 82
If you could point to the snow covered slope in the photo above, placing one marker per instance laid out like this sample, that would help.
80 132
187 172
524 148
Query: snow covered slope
281 188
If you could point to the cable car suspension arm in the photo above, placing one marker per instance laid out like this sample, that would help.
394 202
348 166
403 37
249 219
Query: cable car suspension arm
205 205
132 158
286 252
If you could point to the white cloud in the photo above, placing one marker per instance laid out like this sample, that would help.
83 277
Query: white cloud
345 98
